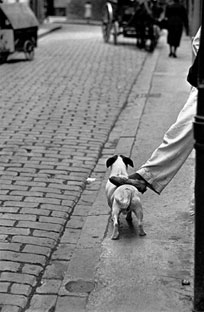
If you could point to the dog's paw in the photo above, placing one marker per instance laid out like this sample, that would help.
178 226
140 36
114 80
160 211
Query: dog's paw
115 234
142 232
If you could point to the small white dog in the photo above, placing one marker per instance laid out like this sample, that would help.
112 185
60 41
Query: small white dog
124 198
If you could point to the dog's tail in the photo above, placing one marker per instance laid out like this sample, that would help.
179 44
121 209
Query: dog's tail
123 198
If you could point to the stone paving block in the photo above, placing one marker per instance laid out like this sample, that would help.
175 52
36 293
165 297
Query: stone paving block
4 238
26 193
9 266
18 278
63 252
42 303
70 236
37 250
10 198
56 207
30 183
40 200
52 220
35 211
4 222
76 222
9 209
10 299
21 289
11 308
47 189
40 241
74 189
56 270
14 187
22 257
15 216
40 225
48 234
14 231
32 269
4 287
68 202
72 304
60 214
4 192
81 210
63 197
20 204
49 286
10 246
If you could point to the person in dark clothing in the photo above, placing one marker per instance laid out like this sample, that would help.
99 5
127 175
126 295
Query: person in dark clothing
177 19
143 19
157 10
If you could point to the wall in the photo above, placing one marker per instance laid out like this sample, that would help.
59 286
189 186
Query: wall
75 8
194 14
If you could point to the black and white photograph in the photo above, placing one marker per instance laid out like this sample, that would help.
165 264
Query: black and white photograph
101 156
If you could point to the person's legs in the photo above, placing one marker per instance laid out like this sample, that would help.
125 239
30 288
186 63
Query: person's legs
174 51
167 159
170 51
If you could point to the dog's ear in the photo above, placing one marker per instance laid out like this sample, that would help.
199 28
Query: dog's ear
127 161
111 161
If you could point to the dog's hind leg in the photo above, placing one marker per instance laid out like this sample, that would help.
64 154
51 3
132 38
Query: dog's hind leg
139 215
115 218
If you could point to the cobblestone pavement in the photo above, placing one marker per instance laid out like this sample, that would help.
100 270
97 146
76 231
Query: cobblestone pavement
56 114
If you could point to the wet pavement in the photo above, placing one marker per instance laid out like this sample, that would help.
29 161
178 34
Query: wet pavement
62 115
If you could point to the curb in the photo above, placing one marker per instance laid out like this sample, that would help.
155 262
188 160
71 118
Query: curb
45 31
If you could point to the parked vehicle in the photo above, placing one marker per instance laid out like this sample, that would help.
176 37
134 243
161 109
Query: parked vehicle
129 19
18 30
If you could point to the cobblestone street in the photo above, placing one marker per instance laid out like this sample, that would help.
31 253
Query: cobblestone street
56 114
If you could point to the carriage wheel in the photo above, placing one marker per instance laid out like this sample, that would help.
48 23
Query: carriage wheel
29 50
3 57
107 20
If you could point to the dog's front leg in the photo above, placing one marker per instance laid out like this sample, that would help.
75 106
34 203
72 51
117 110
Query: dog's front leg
115 217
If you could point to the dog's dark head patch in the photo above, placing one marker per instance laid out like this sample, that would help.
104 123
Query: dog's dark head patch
111 161
127 161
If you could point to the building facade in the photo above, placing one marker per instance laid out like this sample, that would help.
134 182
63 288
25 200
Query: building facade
75 8
194 15
36 5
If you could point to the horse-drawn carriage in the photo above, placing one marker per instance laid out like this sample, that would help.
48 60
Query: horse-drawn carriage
130 19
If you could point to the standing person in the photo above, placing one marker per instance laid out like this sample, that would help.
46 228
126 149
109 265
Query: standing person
88 11
143 19
177 19
171 154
